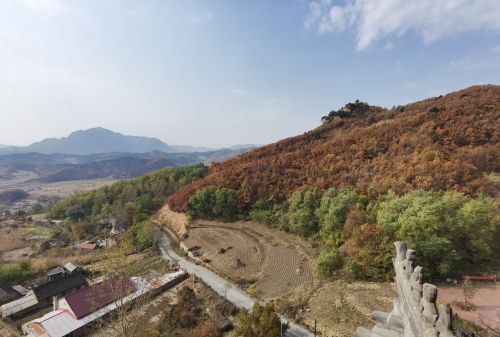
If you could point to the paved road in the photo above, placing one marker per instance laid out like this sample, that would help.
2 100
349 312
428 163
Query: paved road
221 286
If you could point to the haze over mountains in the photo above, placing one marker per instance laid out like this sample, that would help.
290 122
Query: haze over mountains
100 153
100 140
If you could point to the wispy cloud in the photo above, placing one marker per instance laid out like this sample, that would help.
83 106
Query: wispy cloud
44 8
376 19
241 92
203 17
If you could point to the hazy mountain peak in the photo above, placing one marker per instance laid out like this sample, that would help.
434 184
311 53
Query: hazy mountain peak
97 140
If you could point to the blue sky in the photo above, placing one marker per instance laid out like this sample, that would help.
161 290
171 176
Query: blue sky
217 73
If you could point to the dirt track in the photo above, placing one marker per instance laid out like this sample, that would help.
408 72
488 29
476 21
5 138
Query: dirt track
254 256
486 300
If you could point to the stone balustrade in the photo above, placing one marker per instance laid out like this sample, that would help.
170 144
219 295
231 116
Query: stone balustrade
415 313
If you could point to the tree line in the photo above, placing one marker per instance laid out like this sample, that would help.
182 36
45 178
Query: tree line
130 202
453 234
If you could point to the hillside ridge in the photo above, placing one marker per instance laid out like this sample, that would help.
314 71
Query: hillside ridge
448 142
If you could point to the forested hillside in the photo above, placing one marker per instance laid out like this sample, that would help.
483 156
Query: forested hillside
446 143
130 202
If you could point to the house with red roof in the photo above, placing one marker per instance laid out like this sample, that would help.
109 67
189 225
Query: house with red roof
76 311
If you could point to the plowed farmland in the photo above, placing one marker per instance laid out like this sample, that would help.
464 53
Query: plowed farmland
250 254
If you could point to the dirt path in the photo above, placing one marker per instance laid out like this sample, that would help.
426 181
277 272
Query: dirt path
486 300
221 286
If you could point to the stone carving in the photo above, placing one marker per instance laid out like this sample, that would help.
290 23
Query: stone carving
416 283
409 263
415 313
428 304
401 248
444 323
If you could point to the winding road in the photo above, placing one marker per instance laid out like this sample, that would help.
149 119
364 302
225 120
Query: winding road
221 286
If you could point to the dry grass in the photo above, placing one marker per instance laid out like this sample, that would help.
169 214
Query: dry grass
60 256
176 222
340 307
12 238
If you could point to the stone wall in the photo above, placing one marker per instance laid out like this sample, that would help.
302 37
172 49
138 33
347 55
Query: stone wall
415 313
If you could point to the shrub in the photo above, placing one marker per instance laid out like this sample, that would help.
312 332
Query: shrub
299 216
260 322
143 234
328 261
451 232
265 211
353 270
214 202
12 273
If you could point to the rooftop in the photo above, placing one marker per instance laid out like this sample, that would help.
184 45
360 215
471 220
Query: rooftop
58 286
90 299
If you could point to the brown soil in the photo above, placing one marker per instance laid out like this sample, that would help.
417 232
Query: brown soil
176 222
249 253
341 307
486 302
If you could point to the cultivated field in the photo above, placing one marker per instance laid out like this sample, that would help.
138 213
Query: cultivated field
59 189
20 238
268 264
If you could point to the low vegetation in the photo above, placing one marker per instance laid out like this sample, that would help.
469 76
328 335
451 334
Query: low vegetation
187 317
261 321
15 273
213 202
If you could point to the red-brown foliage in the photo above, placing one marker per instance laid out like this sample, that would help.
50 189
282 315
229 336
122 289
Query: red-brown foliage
442 143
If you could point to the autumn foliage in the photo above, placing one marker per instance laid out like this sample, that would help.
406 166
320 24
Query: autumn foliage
443 143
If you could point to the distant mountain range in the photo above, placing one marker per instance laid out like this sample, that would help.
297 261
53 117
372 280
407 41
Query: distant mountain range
100 153
100 140
61 167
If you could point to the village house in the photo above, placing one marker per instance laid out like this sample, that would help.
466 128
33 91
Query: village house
9 294
43 295
74 313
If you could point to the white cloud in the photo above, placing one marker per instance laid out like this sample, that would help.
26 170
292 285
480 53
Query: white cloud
242 92
44 8
202 17
431 19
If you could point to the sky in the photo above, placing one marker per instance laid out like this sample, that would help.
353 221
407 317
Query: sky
219 73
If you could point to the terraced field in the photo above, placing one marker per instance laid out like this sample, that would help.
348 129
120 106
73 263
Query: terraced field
253 256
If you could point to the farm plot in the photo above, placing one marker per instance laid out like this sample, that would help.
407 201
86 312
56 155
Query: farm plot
19 240
252 255
339 307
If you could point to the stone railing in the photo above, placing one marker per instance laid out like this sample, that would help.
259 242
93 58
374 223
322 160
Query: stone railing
415 313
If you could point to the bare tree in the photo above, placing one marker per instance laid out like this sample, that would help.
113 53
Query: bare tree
468 290
128 319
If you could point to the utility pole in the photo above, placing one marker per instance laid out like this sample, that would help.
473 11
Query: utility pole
282 317
314 327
